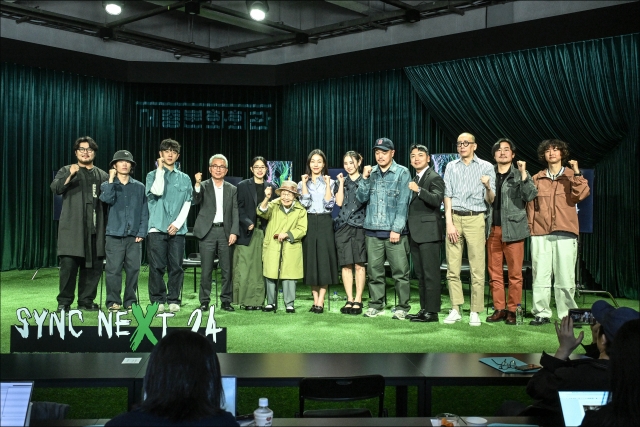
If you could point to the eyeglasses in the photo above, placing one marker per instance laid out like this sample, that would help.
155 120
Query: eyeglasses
464 143
85 150
259 168
217 167
504 364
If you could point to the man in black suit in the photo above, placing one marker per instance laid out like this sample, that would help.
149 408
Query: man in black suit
217 228
425 232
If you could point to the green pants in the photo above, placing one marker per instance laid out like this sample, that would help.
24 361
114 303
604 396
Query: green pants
379 250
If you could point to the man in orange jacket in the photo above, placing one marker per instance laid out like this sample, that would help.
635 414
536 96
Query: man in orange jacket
553 220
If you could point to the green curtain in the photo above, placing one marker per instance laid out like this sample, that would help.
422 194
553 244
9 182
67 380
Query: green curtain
350 113
585 93
44 112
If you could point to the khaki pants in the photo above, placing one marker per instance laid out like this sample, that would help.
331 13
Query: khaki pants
471 230
553 257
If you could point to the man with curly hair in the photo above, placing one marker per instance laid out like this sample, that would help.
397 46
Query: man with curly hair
553 220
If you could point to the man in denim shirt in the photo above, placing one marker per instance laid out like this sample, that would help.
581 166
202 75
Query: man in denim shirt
169 201
126 229
386 189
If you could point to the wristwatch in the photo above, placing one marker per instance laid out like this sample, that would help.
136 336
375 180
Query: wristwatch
578 174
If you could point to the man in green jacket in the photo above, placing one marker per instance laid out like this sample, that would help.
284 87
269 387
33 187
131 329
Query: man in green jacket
509 228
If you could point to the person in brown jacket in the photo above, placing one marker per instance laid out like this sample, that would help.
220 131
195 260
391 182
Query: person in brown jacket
553 220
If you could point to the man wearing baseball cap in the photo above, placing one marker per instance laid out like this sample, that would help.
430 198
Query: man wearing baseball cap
385 188
560 373
126 228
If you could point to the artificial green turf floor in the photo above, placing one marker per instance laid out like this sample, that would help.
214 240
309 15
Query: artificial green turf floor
302 332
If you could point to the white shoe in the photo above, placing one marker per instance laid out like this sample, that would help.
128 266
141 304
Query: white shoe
474 319
453 317
399 315
173 308
372 312
161 308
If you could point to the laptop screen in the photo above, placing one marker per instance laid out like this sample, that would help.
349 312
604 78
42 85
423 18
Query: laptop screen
229 385
14 404
576 403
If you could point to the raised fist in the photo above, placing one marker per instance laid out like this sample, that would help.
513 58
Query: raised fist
305 178
414 187
522 166
267 192
340 178
112 174
74 169
574 165
366 171
485 179
160 163
198 177
327 179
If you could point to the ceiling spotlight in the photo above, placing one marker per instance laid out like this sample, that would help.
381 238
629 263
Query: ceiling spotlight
258 9
192 8
113 7
412 15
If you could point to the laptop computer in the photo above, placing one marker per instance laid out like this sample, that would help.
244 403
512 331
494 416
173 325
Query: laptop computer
229 387
15 403
575 403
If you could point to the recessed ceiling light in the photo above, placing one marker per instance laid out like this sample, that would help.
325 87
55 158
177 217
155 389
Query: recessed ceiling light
113 7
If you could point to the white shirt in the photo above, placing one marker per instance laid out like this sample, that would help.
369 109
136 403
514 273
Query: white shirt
219 213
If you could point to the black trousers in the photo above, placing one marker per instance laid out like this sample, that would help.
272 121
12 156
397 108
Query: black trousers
426 264
87 282
165 252
216 242
122 252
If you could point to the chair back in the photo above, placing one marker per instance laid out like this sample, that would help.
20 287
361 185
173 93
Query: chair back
342 389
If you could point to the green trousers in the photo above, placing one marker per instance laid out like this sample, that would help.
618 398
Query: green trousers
379 250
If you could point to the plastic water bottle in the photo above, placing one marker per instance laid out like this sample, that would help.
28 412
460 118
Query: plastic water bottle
335 302
280 299
519 315
263 416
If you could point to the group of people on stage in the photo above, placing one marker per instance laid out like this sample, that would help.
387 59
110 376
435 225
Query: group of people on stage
262 234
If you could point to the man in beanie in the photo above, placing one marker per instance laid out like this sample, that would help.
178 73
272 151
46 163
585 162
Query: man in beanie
560 373
126 229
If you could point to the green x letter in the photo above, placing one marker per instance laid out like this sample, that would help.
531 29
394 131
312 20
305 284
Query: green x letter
144 324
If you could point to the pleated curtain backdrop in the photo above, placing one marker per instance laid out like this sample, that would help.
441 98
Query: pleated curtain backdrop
585 93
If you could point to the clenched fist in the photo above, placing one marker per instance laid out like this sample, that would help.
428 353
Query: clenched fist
160 163
74 169
366 171
267 192
198 177
574 165
112 175
327 179
414 187
305 178
485 180
340 178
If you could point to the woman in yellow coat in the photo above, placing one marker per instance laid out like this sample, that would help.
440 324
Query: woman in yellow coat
287 226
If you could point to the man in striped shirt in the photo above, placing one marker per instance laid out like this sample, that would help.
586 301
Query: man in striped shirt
470 185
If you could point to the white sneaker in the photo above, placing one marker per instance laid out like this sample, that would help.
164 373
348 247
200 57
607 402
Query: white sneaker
453 317
173 308
161 308
474 319
372 312
399 315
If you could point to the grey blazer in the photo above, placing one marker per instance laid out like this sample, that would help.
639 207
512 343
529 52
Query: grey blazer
206 198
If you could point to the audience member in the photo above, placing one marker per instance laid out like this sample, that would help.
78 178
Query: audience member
182 386
623 410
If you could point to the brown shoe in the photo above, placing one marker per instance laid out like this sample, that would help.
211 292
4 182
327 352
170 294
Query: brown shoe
497 316
511 318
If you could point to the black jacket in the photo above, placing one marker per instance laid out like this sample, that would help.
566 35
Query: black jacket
247 204
424 220
206 198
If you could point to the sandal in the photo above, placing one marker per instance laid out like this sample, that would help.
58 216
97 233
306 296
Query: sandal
356 308
345 309
114 307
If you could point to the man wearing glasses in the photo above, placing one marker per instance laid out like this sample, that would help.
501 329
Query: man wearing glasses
469 191
217 227
169 201
81 231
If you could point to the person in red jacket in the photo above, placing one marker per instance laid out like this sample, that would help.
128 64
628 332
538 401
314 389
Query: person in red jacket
553 220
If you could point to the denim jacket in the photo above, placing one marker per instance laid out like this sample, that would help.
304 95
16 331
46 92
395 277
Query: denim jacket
387 197
128 212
